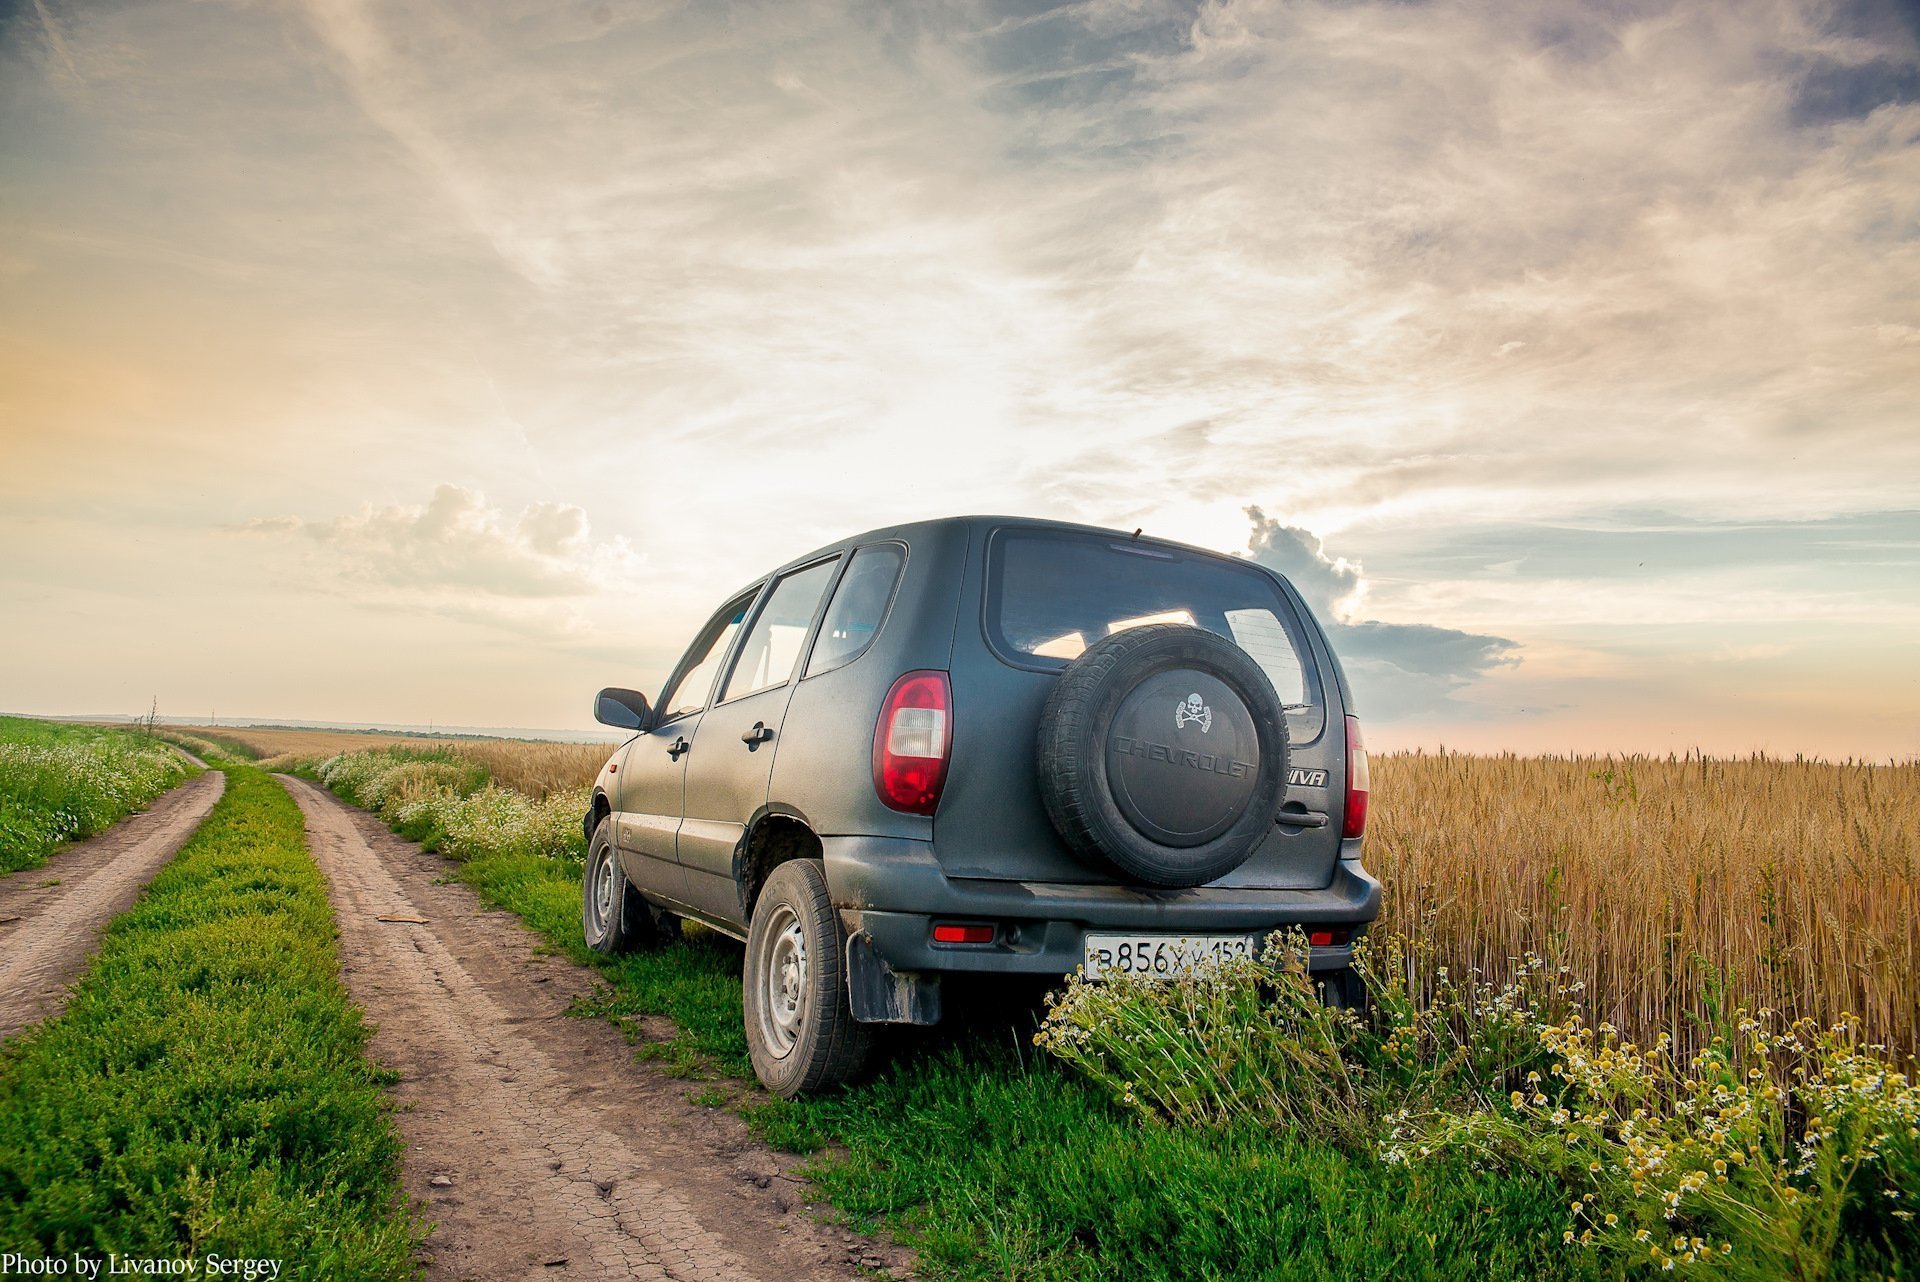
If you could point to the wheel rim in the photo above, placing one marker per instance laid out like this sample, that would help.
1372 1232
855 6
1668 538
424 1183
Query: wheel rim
600 903
783 981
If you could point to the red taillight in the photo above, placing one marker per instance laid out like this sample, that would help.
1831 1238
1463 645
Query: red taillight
955 933
1358 782
912 742
1327 938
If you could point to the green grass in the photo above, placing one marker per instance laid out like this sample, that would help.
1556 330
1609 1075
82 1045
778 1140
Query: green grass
206 1091
61 782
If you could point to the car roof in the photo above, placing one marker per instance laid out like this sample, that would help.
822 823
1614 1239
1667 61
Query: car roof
911 531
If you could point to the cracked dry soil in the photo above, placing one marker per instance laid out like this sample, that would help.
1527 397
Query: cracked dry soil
540 1147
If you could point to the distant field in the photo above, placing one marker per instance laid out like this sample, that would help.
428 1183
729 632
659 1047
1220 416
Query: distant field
535 767
61 782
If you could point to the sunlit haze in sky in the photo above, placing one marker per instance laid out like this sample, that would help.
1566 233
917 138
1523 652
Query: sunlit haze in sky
433 362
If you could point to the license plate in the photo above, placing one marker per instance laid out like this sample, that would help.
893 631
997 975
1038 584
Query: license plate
1161 955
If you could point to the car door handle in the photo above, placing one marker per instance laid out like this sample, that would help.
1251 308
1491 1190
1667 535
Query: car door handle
678 747
1301 818
760 733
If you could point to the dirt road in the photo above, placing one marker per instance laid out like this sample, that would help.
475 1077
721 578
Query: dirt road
542 1149
51 916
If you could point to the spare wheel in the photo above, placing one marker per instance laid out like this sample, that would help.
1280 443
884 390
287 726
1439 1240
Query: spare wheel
1163 754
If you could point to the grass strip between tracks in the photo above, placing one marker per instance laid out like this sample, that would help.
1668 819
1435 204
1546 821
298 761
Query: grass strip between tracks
206 1092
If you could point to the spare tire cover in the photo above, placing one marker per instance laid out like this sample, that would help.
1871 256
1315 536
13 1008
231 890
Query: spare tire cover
1163 754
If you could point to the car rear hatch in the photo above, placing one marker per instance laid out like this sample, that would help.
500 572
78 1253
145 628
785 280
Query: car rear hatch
1037 597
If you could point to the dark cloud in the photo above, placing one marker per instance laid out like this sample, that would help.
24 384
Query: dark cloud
1329 585
1398 670
1839 92
1423 650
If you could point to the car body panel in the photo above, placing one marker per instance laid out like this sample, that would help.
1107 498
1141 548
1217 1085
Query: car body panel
824 768
647 802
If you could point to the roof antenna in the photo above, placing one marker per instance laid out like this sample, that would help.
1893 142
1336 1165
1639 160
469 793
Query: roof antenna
1136 533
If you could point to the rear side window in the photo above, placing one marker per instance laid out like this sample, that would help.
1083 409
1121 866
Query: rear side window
1260 633
772 649
859 605
1051 594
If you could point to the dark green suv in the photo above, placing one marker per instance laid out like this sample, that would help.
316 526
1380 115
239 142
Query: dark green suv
983 744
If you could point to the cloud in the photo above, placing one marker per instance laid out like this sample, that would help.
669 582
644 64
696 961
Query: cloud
458 545
1399 670
1428 277
1332 587
1442 260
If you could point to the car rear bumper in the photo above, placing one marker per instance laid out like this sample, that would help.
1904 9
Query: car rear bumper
893 891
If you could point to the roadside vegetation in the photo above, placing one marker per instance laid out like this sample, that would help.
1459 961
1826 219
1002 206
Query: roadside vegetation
1484 1122
1779 1150
206 1091
534 767
60 782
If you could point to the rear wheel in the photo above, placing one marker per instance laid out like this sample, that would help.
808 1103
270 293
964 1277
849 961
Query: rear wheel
801 1034
614 918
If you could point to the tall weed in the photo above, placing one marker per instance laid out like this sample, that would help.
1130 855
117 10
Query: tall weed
445 800
1780 1149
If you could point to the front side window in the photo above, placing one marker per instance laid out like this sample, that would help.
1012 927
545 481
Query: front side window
772 649
704 657
859 605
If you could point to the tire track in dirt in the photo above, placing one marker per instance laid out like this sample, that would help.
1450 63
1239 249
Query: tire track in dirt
532 1136
54 926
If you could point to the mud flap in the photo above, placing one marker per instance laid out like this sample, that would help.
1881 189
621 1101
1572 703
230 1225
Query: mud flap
879 994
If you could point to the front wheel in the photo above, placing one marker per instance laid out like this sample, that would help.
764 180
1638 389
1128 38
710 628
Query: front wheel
614 919
801 1034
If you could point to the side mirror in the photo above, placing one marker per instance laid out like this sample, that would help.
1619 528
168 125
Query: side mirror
626 709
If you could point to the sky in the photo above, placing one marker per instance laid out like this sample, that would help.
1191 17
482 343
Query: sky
433 362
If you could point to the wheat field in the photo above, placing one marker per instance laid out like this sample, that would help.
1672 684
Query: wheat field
1797 883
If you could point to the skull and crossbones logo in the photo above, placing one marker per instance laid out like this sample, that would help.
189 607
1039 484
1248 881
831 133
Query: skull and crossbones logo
1195 710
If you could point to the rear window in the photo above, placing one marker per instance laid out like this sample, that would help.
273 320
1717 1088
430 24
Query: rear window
1052 594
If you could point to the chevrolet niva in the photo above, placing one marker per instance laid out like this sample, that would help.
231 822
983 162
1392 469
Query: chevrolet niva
983 744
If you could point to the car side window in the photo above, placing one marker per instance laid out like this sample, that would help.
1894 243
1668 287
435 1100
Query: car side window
1261 634
689 694
859 605
772 649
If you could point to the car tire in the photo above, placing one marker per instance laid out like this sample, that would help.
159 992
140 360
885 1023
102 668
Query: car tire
1163 755
614 917
801 1034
